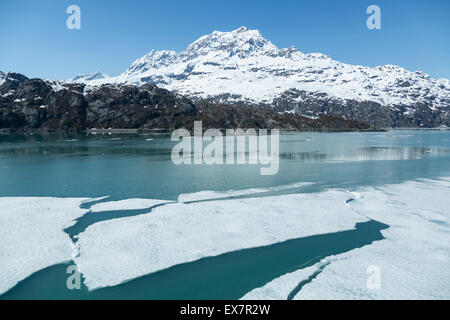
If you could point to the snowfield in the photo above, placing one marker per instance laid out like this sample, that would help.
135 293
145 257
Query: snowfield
242 65
2 77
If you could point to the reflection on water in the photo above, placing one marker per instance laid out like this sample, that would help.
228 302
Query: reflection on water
303 156
19 145
84 150
367 154
139 166
388 153
397 153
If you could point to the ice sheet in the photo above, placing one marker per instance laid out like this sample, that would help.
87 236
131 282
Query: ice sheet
281 287
32 236
127 204
114 251
413 260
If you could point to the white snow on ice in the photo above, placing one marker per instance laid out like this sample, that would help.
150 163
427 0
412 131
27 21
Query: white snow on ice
115 251
32 236
281 287
414 259
127 204
209 195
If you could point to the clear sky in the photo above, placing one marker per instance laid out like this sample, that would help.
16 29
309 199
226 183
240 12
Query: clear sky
34 39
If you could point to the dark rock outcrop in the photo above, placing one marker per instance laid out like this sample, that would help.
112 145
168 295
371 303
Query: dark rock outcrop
419 115
35 104
260 117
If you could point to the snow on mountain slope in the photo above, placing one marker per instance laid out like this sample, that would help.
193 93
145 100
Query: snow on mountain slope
242 65
2 77
88 77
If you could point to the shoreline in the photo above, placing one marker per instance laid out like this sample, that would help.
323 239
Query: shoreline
165 131
25 131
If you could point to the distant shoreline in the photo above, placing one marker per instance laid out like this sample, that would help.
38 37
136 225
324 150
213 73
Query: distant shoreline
165 131
7 131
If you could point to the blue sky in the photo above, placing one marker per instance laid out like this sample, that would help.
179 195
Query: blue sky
35 41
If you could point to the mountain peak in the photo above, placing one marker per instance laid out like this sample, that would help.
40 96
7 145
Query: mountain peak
153 59
241 29
243 66
88 77
241 41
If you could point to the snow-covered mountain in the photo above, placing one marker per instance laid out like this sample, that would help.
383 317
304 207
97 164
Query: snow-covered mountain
2 77
45 105
243 66
82 78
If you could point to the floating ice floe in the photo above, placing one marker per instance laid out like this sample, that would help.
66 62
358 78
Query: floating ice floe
91 200
282 287
115 251
127 204
210 195
32 236
413 262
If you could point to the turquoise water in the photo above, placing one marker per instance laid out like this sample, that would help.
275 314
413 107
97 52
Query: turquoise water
132 166
228 276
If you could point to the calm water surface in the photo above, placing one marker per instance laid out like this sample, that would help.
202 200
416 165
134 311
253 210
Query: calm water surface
140 166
